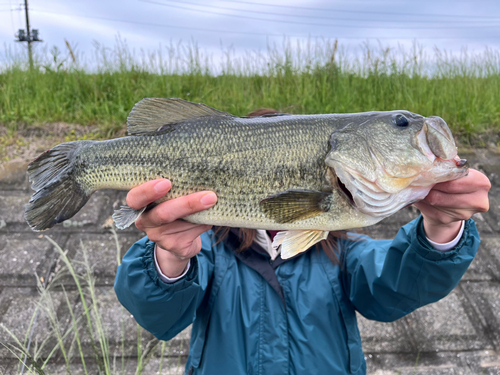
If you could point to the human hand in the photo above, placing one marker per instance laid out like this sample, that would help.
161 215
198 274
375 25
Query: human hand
177 241
448 203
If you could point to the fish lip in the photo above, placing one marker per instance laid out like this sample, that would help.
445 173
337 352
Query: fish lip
435 139
460 163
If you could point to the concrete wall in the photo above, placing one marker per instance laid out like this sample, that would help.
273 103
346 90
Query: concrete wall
458 335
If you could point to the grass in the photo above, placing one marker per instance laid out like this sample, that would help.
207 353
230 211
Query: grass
316 77
78 340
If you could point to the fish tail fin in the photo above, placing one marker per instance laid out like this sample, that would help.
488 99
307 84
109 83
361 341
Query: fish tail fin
58 195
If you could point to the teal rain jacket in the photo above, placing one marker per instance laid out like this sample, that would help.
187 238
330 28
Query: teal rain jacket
253 316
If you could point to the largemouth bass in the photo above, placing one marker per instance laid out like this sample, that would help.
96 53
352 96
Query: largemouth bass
304 174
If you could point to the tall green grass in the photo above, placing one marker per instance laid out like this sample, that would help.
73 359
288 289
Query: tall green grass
314 77
77 340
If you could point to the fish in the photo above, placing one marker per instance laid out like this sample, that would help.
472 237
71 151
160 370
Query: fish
304 175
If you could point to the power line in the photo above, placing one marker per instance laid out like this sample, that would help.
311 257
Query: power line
361 11
406 27
306 16
150 24
12 18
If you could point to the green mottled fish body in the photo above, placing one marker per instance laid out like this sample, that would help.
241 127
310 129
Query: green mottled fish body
306 174
243 160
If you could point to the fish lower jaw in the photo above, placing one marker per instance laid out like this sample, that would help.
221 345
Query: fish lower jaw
371 199
397 201
442 171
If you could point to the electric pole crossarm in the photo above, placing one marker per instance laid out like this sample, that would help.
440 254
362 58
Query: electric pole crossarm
28 35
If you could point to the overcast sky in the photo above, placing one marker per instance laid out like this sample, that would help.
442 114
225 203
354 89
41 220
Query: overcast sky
251 24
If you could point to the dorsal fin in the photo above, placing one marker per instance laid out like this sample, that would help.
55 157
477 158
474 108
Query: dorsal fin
150 115
268 115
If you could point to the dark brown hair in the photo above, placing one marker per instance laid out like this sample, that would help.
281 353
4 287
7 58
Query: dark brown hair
247 236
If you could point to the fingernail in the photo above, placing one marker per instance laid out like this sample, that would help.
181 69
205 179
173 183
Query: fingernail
208 199
162 187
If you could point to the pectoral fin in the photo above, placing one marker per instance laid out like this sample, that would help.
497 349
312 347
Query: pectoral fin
294 242
293 205
126 216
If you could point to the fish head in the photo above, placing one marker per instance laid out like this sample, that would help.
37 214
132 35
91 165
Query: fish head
385 161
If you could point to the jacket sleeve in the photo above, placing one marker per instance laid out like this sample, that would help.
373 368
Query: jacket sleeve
386 280
163 309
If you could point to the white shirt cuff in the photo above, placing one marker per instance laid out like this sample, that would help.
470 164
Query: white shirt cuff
166 279
449 245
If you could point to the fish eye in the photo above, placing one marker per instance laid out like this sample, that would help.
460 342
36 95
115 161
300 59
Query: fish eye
401 121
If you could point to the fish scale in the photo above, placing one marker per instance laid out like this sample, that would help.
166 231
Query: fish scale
287 172
233 169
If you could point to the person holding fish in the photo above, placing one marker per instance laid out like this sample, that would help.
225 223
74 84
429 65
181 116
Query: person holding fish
279 295
256 312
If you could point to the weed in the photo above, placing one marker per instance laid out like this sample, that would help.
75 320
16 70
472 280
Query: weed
78 339
313 77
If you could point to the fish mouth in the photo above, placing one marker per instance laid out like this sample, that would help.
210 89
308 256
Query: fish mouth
345 191
436 142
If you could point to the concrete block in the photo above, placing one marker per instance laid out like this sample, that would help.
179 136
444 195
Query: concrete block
403 216
378 337
13 175
121 330
435 363
12 209
445 325
101 252
90 215
389 227
485 299
492 217
12 212
19 305
8 366
492 171
483 225
23 257
486 264
491 246
129 366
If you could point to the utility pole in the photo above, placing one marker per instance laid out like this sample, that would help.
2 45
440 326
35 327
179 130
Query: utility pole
28 35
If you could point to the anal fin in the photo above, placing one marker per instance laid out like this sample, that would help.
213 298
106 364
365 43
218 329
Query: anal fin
294 242
126 216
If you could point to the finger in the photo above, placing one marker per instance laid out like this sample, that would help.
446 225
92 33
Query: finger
178 208
179 243
439 216
474 181
147 193
477 201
